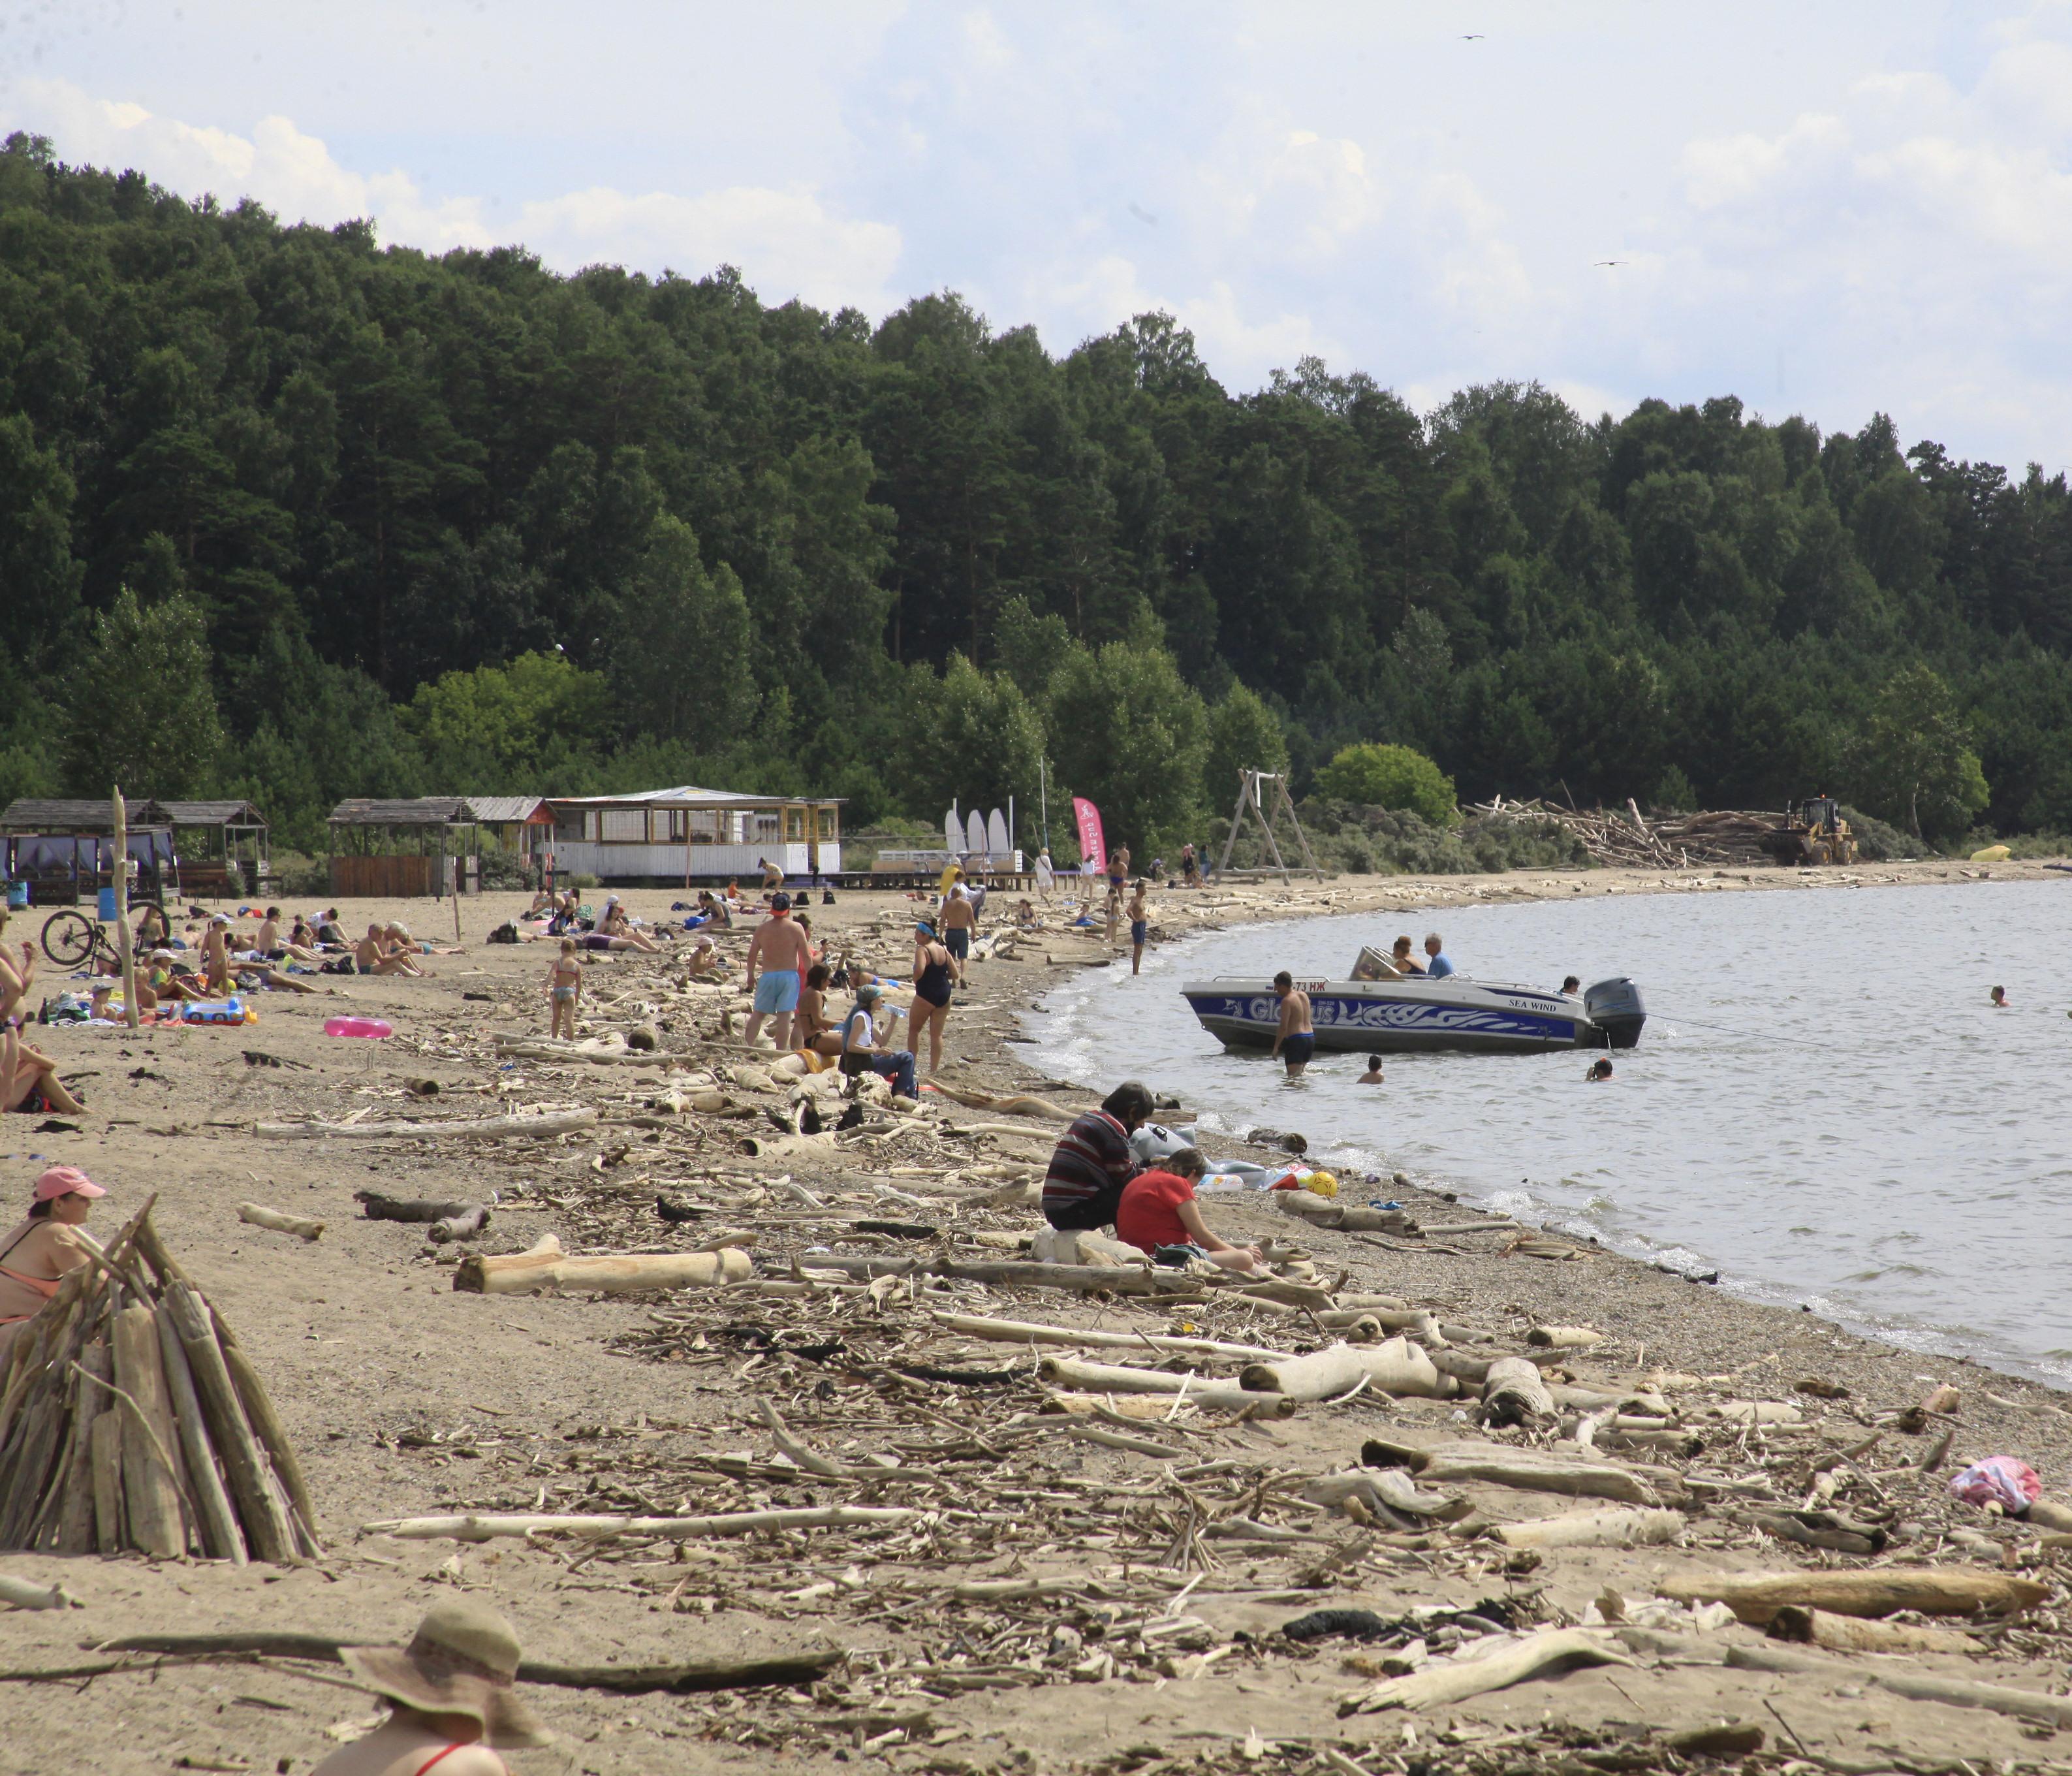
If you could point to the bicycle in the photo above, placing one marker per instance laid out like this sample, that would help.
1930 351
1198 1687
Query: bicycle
70 937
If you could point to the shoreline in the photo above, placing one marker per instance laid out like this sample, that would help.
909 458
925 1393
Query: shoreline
405 1396
1919 1338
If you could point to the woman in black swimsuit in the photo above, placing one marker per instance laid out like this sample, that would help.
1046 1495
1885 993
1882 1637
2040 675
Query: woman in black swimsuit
932 982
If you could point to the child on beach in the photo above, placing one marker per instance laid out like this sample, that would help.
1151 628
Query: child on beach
564 987
1139 925
1157 1209
1372 1076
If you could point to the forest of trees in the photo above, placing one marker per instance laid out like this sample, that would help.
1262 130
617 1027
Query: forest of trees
287 514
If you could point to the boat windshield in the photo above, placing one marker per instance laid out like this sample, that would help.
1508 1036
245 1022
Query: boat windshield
1372 965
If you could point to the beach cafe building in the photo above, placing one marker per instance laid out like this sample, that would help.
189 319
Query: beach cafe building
685 835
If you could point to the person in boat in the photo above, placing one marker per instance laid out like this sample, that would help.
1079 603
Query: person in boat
1571 983
1157 1211
2000 999
1092 1162
1438 963
1295 1037
1600 1072
1405 962
35 1257
452 1696
1372 1076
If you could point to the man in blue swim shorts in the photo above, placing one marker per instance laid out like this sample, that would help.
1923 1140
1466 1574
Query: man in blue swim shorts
782 950
1295 1037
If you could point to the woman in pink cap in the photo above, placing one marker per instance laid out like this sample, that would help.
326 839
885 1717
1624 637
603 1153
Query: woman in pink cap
35 1257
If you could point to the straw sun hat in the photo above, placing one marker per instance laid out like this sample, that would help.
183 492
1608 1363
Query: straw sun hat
463 1659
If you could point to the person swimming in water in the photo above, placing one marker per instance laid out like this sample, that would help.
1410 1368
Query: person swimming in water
2000 999
1372 1076
1600 1072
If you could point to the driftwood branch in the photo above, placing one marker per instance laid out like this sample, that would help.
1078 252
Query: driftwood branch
1441 1686
554 1122
486 1526
1933 1590
546 1265
300 1226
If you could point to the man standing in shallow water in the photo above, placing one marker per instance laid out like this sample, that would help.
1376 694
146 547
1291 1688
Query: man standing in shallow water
1295 1040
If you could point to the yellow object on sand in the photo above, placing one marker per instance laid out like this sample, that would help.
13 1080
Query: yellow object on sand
1992 853
1322 1183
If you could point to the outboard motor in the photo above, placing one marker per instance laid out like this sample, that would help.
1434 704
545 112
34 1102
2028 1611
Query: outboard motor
1616 1008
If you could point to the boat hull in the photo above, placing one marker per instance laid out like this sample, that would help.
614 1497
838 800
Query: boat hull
1397 1017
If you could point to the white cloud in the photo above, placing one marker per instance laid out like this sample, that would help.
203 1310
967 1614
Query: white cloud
788 242
785 242
1736 169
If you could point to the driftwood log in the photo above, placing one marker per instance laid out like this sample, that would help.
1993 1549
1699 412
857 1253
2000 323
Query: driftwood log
554 1122
1933 1590
697 1674
25 1594
300 1226
1114 1379
481 1527
546 1266
1631 1528
464 1226
377 1208
1441 1686
1026 1332
1954 1692
1395 1367
1529 1470
1858 1634
1514 1394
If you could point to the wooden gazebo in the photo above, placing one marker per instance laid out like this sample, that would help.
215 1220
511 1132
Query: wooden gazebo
65 848
209 838
395 850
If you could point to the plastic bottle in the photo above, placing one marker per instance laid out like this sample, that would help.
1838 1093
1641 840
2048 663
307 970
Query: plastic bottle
373 1027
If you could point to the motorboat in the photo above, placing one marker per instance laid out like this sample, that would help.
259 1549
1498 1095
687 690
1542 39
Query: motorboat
1383 1012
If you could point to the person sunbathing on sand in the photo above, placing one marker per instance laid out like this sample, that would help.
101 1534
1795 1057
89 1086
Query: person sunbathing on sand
374 953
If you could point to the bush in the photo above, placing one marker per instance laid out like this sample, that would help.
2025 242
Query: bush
299 877
502 869
1879 842
1390 777
1354 838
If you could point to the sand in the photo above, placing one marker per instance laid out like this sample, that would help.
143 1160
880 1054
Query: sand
406 1397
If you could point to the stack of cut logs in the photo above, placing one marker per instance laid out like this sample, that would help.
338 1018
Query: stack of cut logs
131 1418
1630 839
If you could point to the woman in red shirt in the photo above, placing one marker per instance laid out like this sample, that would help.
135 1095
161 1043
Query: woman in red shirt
1158 1209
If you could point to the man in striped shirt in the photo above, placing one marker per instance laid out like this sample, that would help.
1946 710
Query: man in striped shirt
1093 1160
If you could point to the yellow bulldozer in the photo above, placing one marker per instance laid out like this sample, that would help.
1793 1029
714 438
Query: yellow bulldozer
1814 833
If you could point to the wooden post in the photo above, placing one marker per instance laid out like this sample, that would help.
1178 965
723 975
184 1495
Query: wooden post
123 948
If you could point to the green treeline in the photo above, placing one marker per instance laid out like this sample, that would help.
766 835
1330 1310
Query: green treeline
285 514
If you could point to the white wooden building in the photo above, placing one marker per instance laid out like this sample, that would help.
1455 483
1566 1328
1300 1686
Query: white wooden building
691 835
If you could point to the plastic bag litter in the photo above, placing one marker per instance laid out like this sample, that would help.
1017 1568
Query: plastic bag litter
1998 1480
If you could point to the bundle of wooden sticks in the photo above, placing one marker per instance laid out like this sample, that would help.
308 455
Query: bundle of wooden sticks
131 1418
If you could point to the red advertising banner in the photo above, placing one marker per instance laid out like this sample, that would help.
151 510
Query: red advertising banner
1093 847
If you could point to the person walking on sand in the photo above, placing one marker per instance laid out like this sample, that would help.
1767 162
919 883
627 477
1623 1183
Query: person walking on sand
933 984
1046 873
960 920
1140 927
452 1695
564 991
781 949
1295 1038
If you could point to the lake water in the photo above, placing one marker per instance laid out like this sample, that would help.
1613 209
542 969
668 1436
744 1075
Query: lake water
1823 1107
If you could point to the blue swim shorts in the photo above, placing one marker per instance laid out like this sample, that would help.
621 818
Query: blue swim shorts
777 989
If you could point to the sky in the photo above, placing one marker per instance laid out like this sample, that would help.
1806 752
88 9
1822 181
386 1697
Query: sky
1833 210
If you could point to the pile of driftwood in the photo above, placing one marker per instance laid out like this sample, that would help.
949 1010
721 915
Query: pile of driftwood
132 1419
1628 839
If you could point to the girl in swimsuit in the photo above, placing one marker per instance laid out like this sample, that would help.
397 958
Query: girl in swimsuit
932 984
35 1257
452 1696
564 983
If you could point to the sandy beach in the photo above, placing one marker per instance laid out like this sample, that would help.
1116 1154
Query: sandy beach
1049 1600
